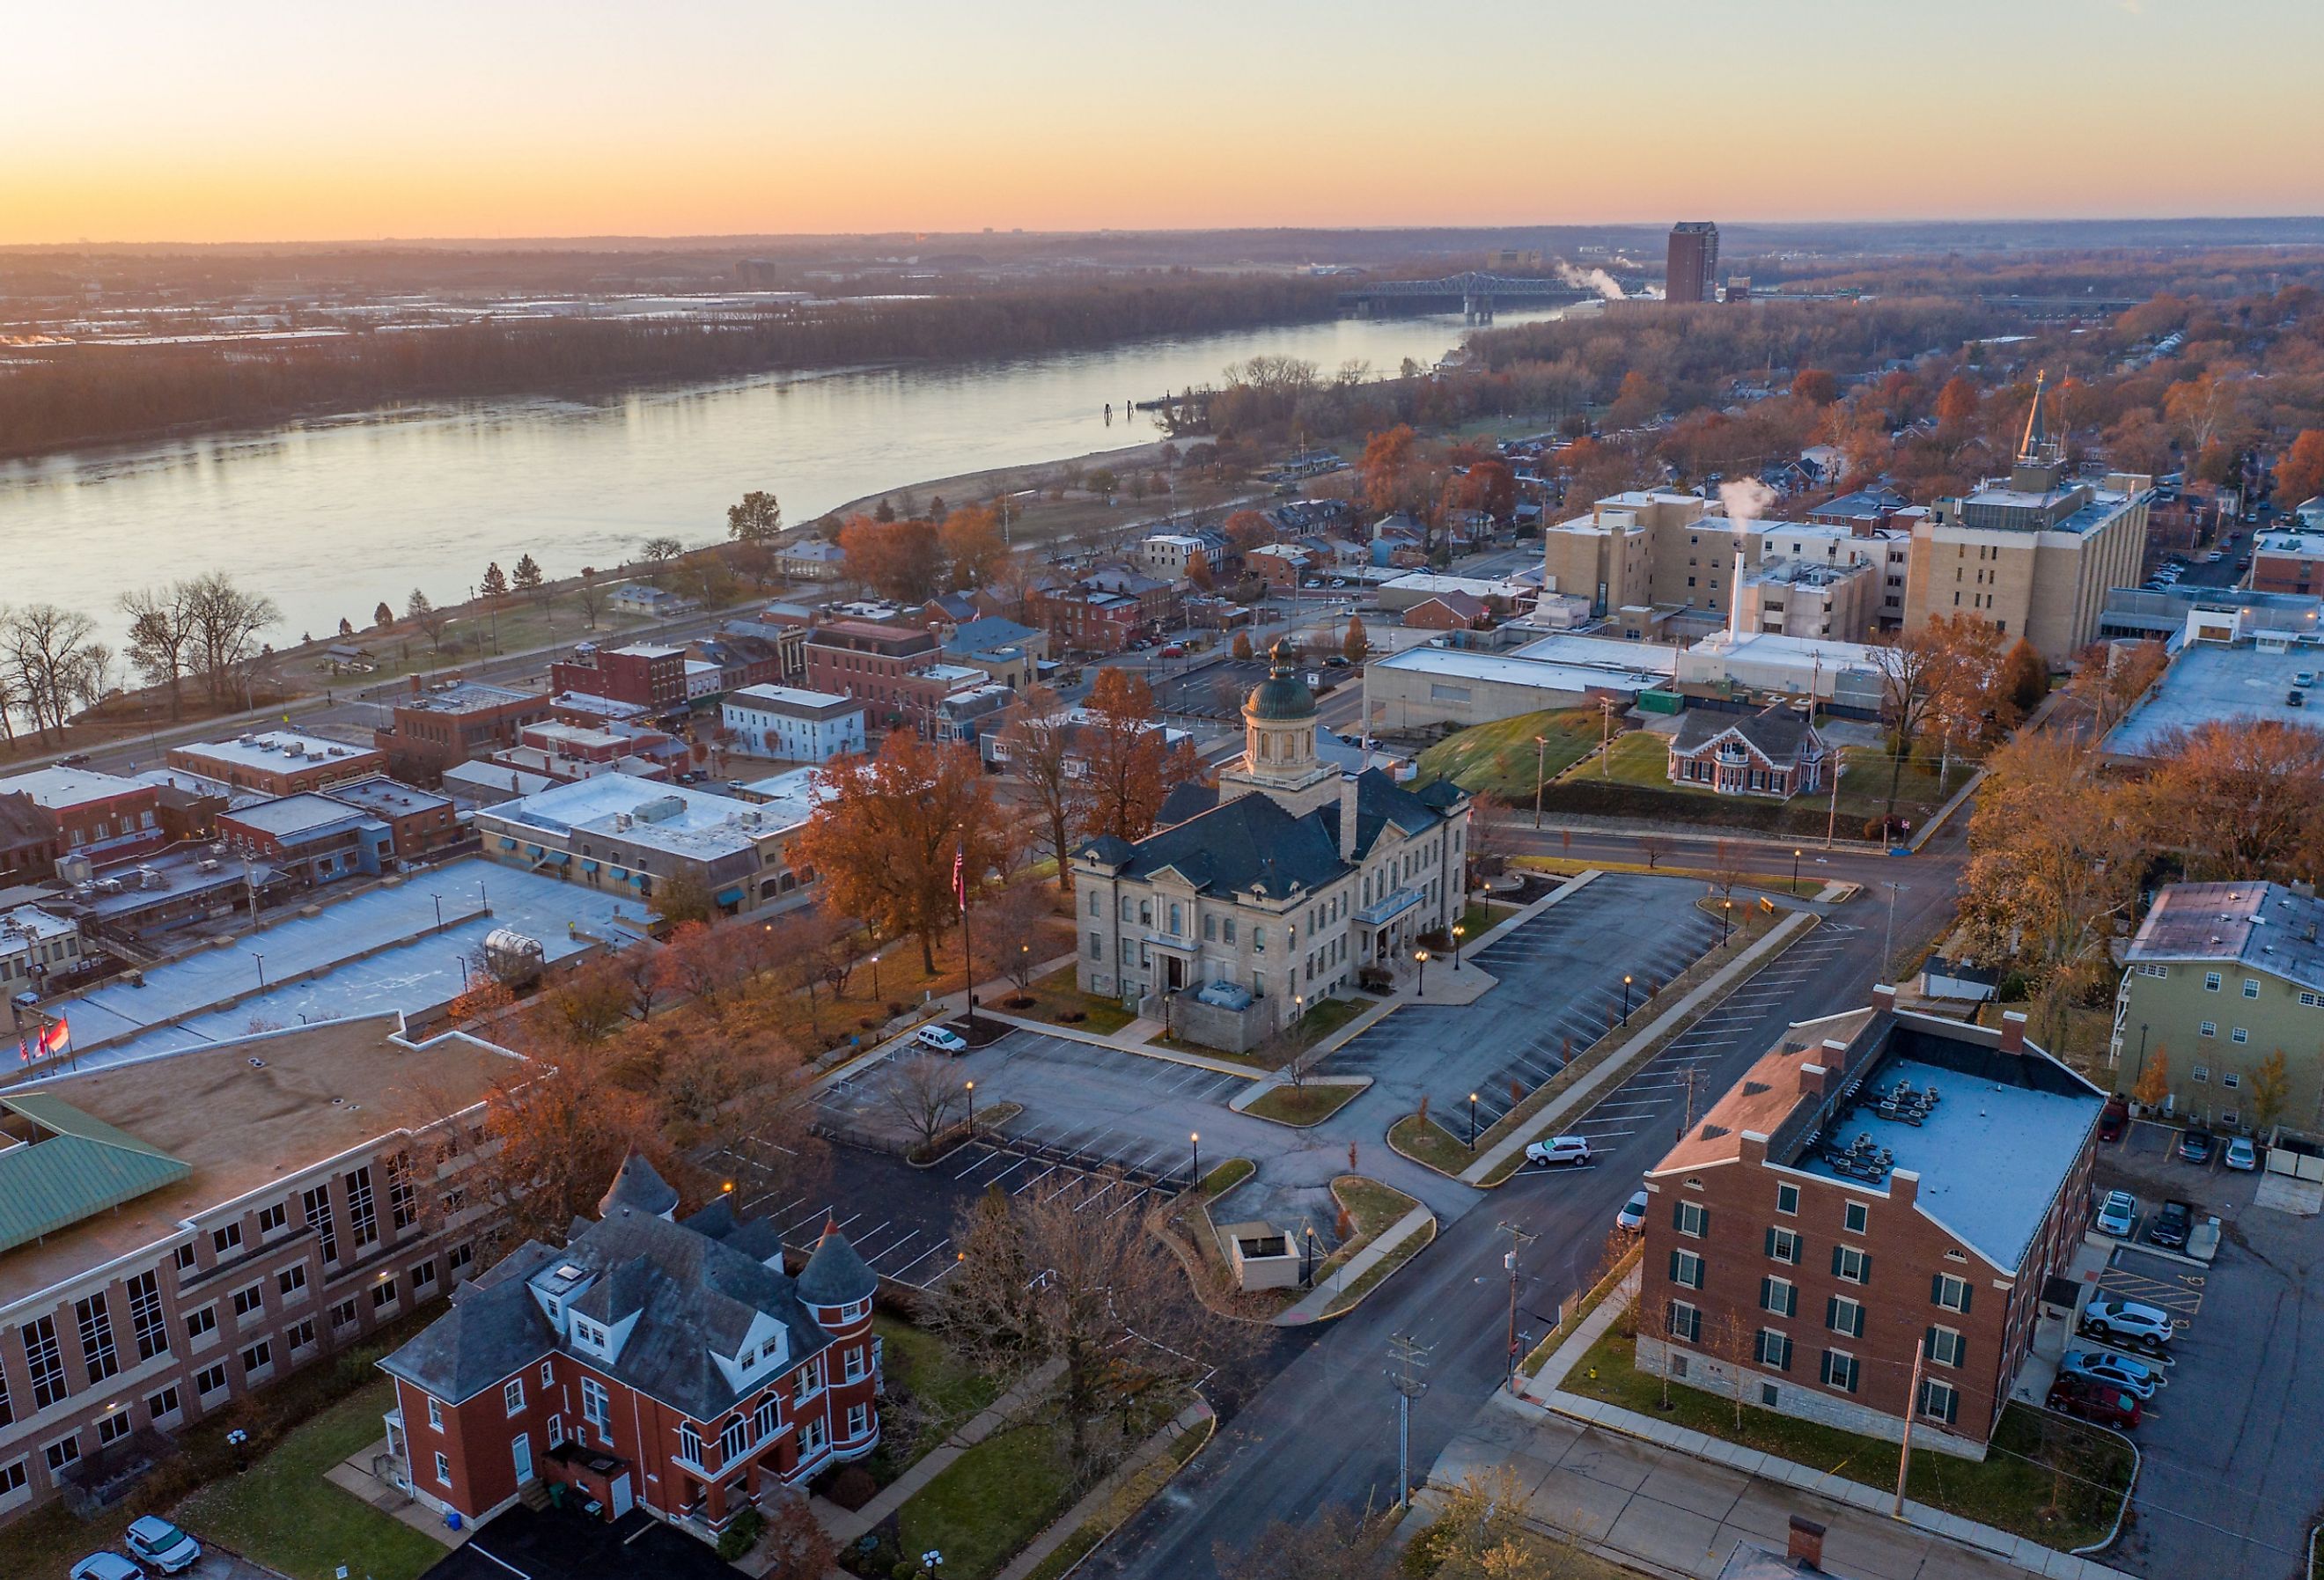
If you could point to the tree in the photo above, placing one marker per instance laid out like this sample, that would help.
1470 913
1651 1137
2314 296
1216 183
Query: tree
590 1004
592 596
684 897
527 579
1012 934
2056 852
897 559
495 585
556 1135
801 1548
1130 767
383 617
1041 1281
755 518
2024 679
971 543
1637 401
2300 476
421 612
161 638
1956 407
2152 1088
227 621
1357 642
1246 530
1913 675
2242 798
1037 742
660 551
47 650
1815 386
1337 1543
2271 1092
1241 649
925 1091
886 833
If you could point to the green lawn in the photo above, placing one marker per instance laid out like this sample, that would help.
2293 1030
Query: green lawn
1501 757
1302 1106
282 1513
1639 757
1430 1142
1056 997
2019 1488
950 1392
1480 919
989 1502
1328 1015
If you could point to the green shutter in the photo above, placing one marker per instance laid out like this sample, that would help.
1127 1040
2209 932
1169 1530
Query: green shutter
1835 1261
1678 1216
1832 1312
1936 1289
1771 1243
1674 1267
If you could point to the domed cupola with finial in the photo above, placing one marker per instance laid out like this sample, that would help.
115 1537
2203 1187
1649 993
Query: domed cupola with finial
1279 757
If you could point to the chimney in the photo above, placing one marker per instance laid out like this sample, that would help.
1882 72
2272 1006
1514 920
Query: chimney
2012 1031
1347 816
1806 1547
415 685
1883 998
1811 1080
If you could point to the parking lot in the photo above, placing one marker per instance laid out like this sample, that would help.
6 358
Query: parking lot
2231 1479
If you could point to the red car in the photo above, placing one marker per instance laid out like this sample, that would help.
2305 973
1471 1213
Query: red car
2112 1119
2094 1401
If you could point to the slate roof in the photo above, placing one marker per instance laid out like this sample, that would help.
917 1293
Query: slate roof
834 1275
1252 844
990 633
1188 799
638 1184
1776 734
696 1289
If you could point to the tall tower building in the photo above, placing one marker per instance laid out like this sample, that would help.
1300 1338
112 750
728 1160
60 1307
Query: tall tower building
1693 264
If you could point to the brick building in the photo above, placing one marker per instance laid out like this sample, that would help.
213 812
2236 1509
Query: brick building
649 1363
1774 753
453 722
313 839
1085 620
2287 562
1881 1183
644 675
29 840
892 668
177 1233
94 814
279 762
419 821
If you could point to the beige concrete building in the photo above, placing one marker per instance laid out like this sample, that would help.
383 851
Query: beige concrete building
1809 598
2033 555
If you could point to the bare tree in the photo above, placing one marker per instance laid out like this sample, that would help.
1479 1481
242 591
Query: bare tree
1654 847
590 596
423 613
924 1090
47 650
1010 933
1731 1341
161 637
226 622
1039 742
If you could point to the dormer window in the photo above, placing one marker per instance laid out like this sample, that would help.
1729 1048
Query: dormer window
589 1336
772 1348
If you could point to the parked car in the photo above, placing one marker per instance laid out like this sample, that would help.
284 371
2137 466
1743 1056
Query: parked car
2171 1224
2304 679
1177 649
80 759
2134 1378
1632 1218
162 1545
1567 1151
106 1566
2128 1322
943 1039
2295 698
2114 1118
2195 1147
2241 1154
2117 1214
2094 1401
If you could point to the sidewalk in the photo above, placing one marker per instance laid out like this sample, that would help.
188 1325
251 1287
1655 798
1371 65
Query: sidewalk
1585 1091
1197 1415
845 1525
1311 1306
1699 1495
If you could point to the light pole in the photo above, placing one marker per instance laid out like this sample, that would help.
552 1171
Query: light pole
1795 869
1459 929
261 969
1195 1138
1540 772
875 975
438 898
1625 998
971 1110
1472 1122
1726 912
1420 989
1888 939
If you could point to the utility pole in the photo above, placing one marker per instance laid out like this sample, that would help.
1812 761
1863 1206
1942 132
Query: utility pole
1605 733
1540 772
1519 1239
1831 818
1408 1353
1686 1110
1911 1408
1888 938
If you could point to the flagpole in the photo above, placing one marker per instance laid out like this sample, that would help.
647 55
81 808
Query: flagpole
968 954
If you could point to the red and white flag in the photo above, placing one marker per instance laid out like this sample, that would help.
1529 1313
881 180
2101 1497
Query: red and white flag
960 877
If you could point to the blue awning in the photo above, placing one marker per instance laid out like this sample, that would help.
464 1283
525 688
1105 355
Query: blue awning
588 866
730 897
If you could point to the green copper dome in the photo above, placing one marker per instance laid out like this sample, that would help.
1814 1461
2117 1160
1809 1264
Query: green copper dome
1282 695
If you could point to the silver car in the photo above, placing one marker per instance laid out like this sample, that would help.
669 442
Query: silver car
1632 1218
2134 1378
2118 1215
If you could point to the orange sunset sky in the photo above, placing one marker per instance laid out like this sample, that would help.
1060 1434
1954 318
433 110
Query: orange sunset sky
258 120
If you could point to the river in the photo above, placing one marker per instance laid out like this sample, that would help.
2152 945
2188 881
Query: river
331 517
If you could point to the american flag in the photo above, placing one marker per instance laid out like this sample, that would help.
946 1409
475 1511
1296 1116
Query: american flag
960 877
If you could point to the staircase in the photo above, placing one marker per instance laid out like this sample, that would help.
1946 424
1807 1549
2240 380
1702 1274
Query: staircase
534 1495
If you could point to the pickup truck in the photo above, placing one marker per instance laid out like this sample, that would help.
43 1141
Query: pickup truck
2171 1224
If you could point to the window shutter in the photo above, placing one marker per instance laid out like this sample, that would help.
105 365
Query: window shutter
1784 1365
1856 1330
1864 1268
1929 1344
1824 1374
1952 1405
1967 1291
1832 1312
1835 1261
1936 1289
1678 1215
1674 1267
1771 1242
1766 1293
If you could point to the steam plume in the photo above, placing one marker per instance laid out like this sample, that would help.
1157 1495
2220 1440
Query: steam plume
1744 501
1595 280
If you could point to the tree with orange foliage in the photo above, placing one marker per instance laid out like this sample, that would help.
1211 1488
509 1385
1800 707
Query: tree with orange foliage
897 559
1246 530
1489 487
555 1132
1957 405
2300 476
1638 401
887 830
1131 770
1815 386
2242 798
2153 1083
972 545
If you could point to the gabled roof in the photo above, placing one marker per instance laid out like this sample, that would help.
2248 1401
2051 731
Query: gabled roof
1251 844
78 1166
1776 734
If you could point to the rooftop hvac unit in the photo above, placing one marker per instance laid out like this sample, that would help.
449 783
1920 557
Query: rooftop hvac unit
208 864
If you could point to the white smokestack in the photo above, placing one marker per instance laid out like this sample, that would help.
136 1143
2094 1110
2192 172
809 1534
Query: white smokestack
1744 501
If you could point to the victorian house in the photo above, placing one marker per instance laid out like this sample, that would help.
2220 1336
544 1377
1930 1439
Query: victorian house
1776 753
652 1362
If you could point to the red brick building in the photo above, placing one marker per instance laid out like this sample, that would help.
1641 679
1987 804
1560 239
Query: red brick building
1085 620
1883 1183
644 675
279 762
2288 562
96 815
887 667
455 722
28 840
651 1362
419 821
1453 611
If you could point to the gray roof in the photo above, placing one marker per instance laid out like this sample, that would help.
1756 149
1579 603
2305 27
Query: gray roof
637 1184
834 1275
2263 927
988 634
696 1288
1776 734
1252 844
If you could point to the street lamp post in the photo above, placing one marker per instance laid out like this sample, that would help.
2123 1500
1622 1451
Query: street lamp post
1795 869
1625 998
971 1110
1540 772
875 976
1459 929
438 898
1195 1139
1726 912
1472 1122
1420 989
261 969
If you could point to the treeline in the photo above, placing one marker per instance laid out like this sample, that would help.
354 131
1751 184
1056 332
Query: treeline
87 395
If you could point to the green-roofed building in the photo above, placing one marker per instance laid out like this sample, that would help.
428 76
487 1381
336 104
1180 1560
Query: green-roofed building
59 1165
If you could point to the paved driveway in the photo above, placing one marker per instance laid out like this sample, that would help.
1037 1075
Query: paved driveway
1561 983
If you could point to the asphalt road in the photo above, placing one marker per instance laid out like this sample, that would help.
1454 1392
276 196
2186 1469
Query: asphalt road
1323 1428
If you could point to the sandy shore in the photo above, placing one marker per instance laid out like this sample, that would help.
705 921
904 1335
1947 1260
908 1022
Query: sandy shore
968 487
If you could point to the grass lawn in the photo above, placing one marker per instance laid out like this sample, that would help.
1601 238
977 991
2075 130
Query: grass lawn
2031 1500
1303 1106
1371 1208
1480 919
1133 1494
1428 1141
1639 757
1501 757
1056 996
989 1502
1330 1014
918 1361
284 1514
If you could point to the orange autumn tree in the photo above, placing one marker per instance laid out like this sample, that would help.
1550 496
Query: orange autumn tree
2300 476
971 544
885 835
897 559
1130 768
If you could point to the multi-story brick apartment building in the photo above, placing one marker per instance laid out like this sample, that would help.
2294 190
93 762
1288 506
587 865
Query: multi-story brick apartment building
179 1232
279 762
94 814
419 821
2220 978
1088 619
2287 562
644 676
1789 1260
453 722
309 838
895 669
649 1361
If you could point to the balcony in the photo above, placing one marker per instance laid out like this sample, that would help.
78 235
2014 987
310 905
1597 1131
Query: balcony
1388 909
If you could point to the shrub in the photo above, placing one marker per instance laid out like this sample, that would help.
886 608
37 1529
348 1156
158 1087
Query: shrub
743 1535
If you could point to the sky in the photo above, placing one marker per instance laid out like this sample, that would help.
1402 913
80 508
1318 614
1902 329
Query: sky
270 120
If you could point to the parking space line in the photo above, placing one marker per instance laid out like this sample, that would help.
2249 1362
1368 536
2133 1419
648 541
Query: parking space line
899 1274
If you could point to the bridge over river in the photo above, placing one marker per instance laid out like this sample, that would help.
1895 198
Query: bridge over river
1476 293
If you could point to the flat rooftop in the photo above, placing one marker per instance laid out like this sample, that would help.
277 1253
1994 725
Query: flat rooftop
2307 544
68 787
389 796
1509 670
274 749
676 819
292 817
786 799
460 696
2263 926
323 1089
793 699
2210 681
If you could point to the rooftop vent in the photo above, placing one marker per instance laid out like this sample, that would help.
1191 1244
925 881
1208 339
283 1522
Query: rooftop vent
1711 1132
1754 1088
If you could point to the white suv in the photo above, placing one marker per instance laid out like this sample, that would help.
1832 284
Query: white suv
1567 1151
